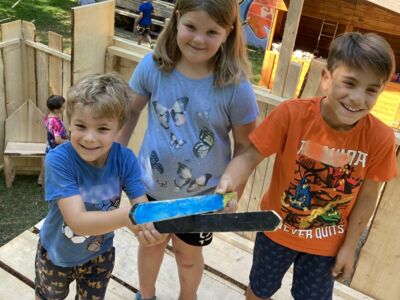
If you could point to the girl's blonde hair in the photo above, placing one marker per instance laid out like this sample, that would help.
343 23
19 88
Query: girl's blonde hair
230 62
108 95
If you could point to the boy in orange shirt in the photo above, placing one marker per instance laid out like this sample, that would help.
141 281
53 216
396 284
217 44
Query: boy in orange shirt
331 156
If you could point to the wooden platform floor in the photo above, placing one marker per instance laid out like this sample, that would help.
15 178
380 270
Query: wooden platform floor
228 261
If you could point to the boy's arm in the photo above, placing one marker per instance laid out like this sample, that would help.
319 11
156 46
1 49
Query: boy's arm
85 222
146 233
239 169
136 107
359 218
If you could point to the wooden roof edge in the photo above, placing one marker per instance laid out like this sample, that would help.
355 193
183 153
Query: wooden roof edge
392 5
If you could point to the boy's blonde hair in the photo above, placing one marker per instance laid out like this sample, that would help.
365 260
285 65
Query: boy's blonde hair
230 62
107 94
362 51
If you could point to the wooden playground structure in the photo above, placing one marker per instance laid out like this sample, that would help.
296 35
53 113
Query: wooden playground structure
31 71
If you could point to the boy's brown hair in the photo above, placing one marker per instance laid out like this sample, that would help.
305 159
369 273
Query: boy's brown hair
362 51
107 94
230 62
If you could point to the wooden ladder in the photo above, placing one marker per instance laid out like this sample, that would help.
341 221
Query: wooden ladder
328 30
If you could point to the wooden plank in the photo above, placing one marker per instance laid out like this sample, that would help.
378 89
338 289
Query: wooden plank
55 64
19 254
10 43
93 31
28 30
42 75
211 287
12 66
379 261
292 79
16 127
13 288
288 40
392 5
48 50
3 110
313 79
25 148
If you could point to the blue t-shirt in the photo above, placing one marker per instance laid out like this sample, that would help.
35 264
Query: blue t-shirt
146 9
100 188
186 145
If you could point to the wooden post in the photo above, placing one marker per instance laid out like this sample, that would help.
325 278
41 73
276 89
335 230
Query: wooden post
289 38
379 262
92 33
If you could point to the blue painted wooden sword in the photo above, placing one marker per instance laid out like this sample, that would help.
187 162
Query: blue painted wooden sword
155 211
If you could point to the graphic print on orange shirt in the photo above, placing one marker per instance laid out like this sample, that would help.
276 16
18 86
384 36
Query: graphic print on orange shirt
321 190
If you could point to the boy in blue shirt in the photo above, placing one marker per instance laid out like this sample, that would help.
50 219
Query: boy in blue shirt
84 180
144 22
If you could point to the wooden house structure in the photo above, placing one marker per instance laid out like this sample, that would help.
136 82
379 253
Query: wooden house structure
321 21
31 70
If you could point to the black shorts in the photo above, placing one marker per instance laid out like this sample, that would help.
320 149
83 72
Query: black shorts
195 239
143 30
52 282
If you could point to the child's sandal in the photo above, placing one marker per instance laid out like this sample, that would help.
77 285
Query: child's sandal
138 296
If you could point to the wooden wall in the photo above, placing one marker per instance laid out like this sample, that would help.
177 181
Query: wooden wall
29 71
357 15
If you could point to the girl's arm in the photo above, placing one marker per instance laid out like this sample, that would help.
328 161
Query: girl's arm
359 218
136 107
241 143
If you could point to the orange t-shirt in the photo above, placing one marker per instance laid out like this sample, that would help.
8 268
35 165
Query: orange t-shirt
315 198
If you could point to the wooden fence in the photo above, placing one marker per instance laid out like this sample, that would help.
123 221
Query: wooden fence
30 70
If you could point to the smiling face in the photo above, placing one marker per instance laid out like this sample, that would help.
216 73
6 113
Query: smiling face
92 137
199 38
350 95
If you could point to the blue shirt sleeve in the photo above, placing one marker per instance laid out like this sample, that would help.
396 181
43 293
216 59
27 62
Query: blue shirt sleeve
140 81
59 176
244 108
131 181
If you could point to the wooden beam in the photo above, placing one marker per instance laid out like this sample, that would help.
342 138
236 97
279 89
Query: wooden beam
10 42
288 40
48 50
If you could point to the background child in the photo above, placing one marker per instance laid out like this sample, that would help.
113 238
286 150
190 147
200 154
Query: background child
84 179
56 132
331 156
143 22
196 87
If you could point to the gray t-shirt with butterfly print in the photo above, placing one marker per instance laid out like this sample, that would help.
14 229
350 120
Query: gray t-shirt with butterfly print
186 146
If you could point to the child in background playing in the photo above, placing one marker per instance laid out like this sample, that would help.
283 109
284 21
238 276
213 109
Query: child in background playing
56 132
197 91
84 179
143 22
331 157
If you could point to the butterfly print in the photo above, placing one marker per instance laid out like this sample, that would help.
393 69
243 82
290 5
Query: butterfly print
197 183
175 142
201 149
185 177
176 112
155 162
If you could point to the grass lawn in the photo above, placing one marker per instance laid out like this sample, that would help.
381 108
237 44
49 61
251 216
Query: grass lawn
21 206
47 15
